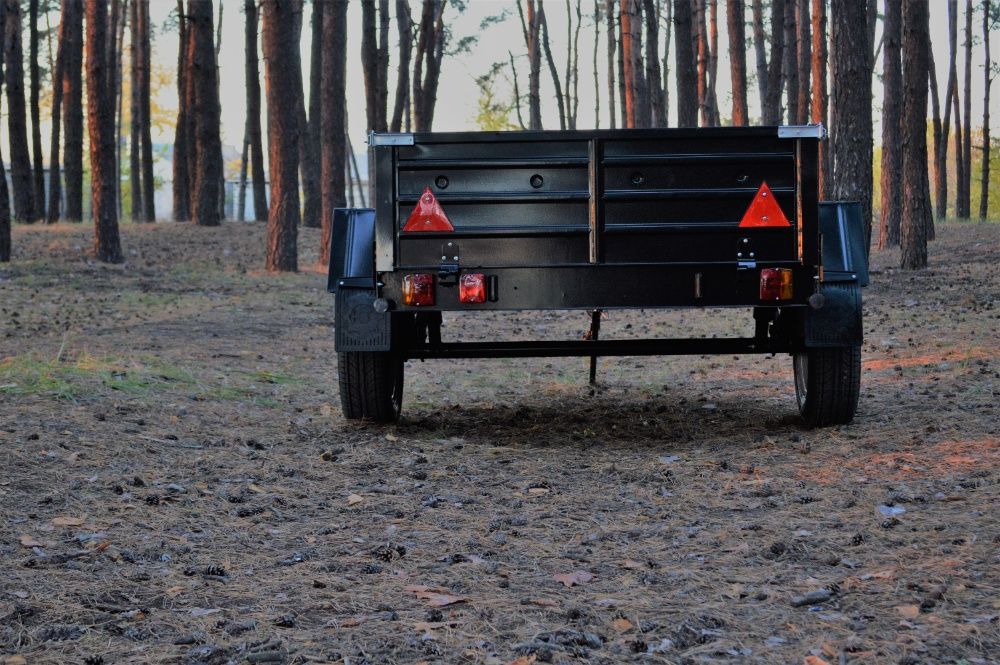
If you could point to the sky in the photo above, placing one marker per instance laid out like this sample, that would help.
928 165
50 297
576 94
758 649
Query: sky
458 93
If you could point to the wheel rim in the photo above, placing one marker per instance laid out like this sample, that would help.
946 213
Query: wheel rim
801 365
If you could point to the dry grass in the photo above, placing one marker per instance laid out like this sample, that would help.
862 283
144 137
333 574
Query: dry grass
181 412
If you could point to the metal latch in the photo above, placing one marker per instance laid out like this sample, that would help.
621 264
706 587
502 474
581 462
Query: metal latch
746 257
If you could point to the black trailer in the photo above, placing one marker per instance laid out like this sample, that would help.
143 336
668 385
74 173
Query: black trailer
597 220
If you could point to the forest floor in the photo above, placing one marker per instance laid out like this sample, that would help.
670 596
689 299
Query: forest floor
177 484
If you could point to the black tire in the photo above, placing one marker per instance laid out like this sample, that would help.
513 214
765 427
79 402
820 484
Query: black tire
827 385
371 385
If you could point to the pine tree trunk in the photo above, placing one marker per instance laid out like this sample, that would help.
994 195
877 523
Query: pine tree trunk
713 60
312 195
207 143
916 205
940 165
145 114
17 127
405 31
333 119
553 70
820 97
984 195
253 131
533 44
941 191
573 69
804 59
701 51
55 181
280 55
791 64
736 26
597 78
182 138
775 69
36 116
892 113
135 148
4 194
966 185
851 122
115 60
687 78
72 18
668 21
427 65
610 17
101 129
626 19
369 61
760 51
241 191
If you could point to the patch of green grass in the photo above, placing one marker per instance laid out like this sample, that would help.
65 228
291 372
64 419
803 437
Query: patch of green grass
276 378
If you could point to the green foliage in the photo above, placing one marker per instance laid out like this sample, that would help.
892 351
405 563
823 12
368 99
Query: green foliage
493 115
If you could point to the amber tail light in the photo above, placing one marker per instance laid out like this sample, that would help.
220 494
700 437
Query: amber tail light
775 284
418 290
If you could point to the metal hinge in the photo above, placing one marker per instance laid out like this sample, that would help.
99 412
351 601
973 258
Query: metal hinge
389 139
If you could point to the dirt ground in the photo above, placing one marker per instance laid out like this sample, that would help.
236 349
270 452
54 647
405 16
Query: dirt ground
177 484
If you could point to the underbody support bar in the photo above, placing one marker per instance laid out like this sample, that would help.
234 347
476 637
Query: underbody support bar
637 347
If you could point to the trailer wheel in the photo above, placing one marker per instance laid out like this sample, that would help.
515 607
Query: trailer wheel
827 384
371 385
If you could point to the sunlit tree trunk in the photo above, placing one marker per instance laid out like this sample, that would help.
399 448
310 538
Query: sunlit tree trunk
736 26
101 126
280 53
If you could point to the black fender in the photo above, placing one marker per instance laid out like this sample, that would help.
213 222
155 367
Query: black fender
359 325
834 315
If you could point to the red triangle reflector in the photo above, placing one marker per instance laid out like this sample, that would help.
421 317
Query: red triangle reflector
428 215
764 210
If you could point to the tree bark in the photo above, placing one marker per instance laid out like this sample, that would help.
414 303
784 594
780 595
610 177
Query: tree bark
101 128
852 108
207 144
312 204
609 11
736 26
182 138
427 66
72 41
253 132
241 191
775 78
820 96
17 127
135 169
597 78
145 114
553 70
702 55
687 79
4 194
791 63
760 51
965 211
280 54
532 41
916 205
984 195
36 124
804 38
892 112
369 61
713 61
633 95
55 182
405 30
941 168
116 46
940 163
333 119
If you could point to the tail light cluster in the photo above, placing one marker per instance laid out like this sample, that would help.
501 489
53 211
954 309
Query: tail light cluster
776 284
418 289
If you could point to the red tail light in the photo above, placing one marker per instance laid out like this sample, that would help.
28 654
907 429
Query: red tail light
764 211
428 215
472 288
775 284
418 290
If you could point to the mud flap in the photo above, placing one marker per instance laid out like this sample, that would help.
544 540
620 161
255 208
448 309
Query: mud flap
359 327
837 322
